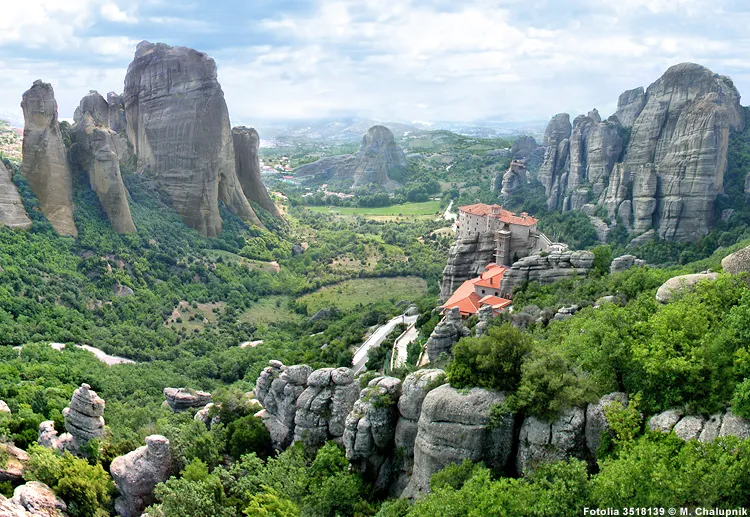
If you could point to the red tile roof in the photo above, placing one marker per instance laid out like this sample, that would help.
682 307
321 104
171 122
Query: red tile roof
469 302
505 216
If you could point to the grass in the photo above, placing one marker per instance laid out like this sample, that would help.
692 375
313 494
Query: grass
195 318
425 210
229 257
270 310
348 294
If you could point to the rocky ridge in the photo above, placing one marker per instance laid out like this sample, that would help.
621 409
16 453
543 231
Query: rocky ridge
547 268
657 163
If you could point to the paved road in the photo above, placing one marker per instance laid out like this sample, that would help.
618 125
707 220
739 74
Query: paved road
408 337
377 337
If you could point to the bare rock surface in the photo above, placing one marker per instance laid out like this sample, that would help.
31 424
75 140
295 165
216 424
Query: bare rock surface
625 262
277 390
45 163
545 442
629 106
596 419
38 500
467 258
138 472
247 163
547 268
15 465
181 399
679 284
178 124
697 427
84 421
97 153
738 262
453 426
12 211
446 334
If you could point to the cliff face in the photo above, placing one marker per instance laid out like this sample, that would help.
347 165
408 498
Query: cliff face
45 164
467 259
246 144
12 212
378 158
178 124
668 176
98 153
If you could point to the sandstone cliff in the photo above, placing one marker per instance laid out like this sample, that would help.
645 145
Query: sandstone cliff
178 123
467 258
45 163
247 163
666 176
98 153
12 212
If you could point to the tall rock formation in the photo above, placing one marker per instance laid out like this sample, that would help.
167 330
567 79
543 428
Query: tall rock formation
467 259
12 212
45 164
178 123
138 472
98 153
668 176
247 163
84 422
378 158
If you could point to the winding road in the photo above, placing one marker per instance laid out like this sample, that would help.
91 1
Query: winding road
377 337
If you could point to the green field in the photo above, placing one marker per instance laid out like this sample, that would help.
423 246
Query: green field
348 294
270 310
407 210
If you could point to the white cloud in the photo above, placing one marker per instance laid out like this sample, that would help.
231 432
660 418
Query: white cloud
111 11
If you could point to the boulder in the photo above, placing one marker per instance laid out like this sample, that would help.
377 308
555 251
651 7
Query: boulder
178 124
181 399
278 387
38 500
738 262
446 334
454 426
369 431
664 422
544 442
696 427
690 427
4 407
98 154
246 144
138 472
679 284
45 164
84 421
596 419
485 314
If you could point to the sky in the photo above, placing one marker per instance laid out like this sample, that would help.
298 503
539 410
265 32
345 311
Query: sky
406 60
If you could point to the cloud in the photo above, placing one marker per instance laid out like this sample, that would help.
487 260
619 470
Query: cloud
413 59
111 11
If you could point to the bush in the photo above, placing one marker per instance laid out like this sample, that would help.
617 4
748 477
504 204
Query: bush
492 361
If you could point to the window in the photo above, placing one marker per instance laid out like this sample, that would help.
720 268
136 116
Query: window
482 291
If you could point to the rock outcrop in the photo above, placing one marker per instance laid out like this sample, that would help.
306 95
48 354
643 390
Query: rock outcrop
679 284
523 147
84 421
33 499
15 464
305 405
738 262
485 315
247 163
414 389
12 212
547 268
378 158
668 176
182 399
45 163
446 334
625 262
454 426
138 472
596 419
178 124
696 427
545 442
467 258
370 429
98 154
